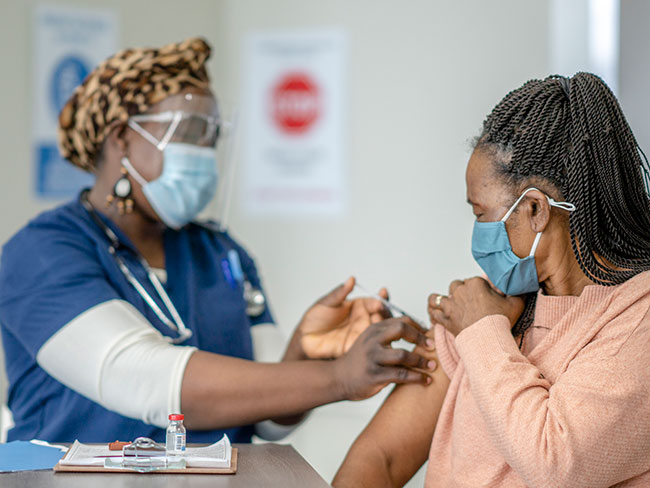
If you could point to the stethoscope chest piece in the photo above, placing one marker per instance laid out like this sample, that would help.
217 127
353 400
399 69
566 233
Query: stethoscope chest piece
255 300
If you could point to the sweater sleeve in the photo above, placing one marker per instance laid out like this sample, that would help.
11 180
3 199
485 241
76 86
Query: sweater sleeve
445 349
590 428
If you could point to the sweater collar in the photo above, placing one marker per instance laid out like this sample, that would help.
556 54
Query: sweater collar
549 310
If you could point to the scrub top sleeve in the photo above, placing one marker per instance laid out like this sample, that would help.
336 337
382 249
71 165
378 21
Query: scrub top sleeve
48 276
250 270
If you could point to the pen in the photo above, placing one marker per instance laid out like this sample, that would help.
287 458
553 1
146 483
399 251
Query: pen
227 272
393 307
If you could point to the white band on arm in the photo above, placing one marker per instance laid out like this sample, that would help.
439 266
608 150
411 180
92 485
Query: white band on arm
269 344
112 355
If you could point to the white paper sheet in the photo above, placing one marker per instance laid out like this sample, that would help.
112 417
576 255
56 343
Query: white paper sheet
217 455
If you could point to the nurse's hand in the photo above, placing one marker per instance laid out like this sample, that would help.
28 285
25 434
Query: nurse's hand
469 301
371 363
330 326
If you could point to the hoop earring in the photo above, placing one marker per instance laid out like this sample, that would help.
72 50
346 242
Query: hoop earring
121 194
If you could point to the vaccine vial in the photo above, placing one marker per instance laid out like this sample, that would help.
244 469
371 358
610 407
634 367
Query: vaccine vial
175 440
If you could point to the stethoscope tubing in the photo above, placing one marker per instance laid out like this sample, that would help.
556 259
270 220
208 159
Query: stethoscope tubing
177 323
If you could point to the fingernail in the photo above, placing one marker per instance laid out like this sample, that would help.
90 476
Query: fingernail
431 344
432 365
429 380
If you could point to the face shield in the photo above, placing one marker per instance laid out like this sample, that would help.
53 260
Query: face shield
190 119
195 119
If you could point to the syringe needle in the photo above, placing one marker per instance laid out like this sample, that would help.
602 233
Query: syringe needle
392 306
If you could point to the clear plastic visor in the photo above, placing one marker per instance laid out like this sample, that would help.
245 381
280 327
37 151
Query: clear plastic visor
190 119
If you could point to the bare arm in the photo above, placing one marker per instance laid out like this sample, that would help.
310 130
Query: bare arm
220 391
294 352
396 442
224 391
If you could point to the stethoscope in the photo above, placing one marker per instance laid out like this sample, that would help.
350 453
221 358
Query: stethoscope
255 300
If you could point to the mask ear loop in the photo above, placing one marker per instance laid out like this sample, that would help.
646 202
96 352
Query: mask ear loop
178 116
535 243
514 205
132 171
570 207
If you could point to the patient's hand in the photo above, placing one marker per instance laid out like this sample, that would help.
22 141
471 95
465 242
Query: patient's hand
330 326
469 301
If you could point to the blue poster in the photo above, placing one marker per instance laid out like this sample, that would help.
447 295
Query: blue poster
56 177
69 43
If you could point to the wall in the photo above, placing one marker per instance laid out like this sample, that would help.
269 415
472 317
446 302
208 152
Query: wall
421 77
635 69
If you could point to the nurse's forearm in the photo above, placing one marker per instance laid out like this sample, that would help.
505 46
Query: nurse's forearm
221 391
294 352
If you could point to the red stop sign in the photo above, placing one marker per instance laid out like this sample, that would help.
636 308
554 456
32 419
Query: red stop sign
295 103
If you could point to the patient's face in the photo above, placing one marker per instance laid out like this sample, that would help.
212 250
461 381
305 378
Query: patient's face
489 197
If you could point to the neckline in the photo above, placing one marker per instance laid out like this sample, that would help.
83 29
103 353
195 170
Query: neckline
550 309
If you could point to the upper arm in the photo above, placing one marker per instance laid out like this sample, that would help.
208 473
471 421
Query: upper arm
48 277
112 355
398 438
57 301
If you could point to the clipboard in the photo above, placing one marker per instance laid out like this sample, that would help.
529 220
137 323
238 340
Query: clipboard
101 469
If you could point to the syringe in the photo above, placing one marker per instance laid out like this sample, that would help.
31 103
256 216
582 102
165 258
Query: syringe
393 307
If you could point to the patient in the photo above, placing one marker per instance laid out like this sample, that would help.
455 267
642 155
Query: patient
545 378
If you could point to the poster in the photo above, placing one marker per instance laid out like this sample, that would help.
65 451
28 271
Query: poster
68 43
293 119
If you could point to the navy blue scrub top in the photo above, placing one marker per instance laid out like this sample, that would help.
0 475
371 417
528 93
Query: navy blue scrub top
58 266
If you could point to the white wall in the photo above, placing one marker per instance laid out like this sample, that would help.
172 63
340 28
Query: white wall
422 75
635 69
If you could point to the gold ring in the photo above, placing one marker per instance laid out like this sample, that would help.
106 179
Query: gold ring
438 300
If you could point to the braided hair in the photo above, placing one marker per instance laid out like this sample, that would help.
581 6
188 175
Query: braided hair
571 134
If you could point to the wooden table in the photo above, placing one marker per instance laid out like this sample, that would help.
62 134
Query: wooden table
259 465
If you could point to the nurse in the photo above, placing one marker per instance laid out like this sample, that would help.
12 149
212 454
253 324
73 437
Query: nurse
118 309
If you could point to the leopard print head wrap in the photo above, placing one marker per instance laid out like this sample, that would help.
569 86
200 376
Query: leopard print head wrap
128 83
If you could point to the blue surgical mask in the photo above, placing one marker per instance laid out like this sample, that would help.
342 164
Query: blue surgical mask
187 184
492 251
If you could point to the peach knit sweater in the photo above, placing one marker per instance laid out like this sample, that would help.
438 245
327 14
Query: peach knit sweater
570 410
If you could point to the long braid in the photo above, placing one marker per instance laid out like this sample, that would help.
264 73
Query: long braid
571 134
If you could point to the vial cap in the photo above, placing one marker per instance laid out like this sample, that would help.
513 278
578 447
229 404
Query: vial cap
176 416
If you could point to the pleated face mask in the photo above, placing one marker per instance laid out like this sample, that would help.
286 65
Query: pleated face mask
187 184
492 251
